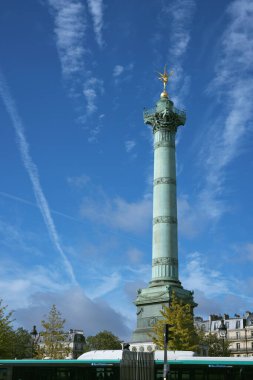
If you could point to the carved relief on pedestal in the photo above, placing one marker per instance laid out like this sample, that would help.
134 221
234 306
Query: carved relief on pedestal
139 311
152 321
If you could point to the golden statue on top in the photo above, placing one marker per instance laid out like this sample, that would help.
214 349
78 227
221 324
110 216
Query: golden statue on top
164 77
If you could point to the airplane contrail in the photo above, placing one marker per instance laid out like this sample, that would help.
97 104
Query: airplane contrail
33 204
33 174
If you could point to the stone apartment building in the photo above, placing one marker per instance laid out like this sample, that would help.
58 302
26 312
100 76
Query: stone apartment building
74 340
239 331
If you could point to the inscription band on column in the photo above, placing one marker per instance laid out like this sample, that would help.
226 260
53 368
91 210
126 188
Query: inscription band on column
165 261
164 181
165 219
166 144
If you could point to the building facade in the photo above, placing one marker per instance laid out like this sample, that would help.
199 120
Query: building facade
74 340
239 331
164 120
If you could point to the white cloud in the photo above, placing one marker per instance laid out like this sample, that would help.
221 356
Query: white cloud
33 174
92 87
14 238
198 276
122 73
245 252
70 28
214 291
190 221
79 182
118 70
96 10
106 285
134 255
180 13
18 284
232 86
130 144
118 213
79 311
70 31
195 213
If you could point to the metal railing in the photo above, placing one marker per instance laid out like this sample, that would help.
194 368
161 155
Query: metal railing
172 109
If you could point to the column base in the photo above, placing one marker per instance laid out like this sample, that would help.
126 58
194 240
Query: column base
176 283
150 301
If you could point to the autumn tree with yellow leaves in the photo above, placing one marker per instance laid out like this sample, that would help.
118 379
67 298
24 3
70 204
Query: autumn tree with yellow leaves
182 333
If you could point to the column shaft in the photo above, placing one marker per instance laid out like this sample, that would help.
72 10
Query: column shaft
165 242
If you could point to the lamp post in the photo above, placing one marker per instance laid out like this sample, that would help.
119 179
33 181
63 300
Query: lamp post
246 341
223 334
166 338
35 337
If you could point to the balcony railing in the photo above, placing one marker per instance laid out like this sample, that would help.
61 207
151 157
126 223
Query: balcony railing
249 350
241 338
152 111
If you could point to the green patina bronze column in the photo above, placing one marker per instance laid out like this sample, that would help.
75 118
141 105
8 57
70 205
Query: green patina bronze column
164 120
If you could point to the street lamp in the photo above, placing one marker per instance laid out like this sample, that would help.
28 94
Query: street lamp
35 337
246 344
166 338
223 334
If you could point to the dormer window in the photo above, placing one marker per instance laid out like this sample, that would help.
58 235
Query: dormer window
238 324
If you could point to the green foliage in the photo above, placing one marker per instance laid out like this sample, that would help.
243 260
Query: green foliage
21 344
104 340
54 344
215 345
182 333
6 332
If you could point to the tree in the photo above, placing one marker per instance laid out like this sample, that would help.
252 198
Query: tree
215 345
104 340
182 333
6 332
54 345
21 344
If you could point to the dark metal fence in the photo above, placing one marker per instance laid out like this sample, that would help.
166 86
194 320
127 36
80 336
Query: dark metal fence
137 366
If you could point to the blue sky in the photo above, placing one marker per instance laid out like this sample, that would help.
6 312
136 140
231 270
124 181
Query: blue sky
76 160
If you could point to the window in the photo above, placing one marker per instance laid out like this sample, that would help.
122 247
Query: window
237 335
238 346
215 326
5 373
238 324
252 334
252 345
